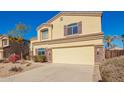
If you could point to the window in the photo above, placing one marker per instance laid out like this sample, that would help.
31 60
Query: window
45 34
72 29
41 51
4 42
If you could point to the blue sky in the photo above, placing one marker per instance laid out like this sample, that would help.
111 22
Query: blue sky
112 22
8 20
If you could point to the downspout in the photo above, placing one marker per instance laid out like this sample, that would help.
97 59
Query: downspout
51 31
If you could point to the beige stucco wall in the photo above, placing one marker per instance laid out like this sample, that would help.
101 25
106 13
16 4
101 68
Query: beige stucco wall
1 43
1 54
90 24
76 55
31 43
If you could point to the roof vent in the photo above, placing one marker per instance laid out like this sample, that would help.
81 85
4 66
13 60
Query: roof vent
61 19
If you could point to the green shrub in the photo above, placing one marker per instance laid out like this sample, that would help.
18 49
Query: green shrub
26 57
40 58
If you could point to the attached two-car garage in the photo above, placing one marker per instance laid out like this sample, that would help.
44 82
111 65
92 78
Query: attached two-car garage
74 55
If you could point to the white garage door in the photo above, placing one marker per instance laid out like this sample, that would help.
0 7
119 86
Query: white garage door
75 55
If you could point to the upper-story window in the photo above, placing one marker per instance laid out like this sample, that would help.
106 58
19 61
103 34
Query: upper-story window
45 34
72 29
4 41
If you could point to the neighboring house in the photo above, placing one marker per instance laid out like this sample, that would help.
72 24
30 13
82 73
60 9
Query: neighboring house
8 47
4 42
71 37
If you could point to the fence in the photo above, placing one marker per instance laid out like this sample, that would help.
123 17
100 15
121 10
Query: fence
113 53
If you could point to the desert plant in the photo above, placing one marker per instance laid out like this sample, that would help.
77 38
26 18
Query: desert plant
13 58
29 64
40 58
16 69
1 61
26 57
112 70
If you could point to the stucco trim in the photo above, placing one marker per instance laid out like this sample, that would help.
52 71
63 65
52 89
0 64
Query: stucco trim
99 46
74 46
43 25
72 39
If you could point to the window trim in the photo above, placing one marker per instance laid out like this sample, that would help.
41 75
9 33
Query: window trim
3 42
72 25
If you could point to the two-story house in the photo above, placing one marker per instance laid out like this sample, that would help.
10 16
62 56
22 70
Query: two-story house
71 38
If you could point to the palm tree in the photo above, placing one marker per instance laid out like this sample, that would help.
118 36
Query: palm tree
122 39
108 40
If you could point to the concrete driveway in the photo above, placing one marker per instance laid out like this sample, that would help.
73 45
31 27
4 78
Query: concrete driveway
55 73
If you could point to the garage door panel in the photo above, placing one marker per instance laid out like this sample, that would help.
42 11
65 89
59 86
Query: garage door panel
77 55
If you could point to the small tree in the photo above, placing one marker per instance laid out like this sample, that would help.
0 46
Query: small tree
19 31
17 34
